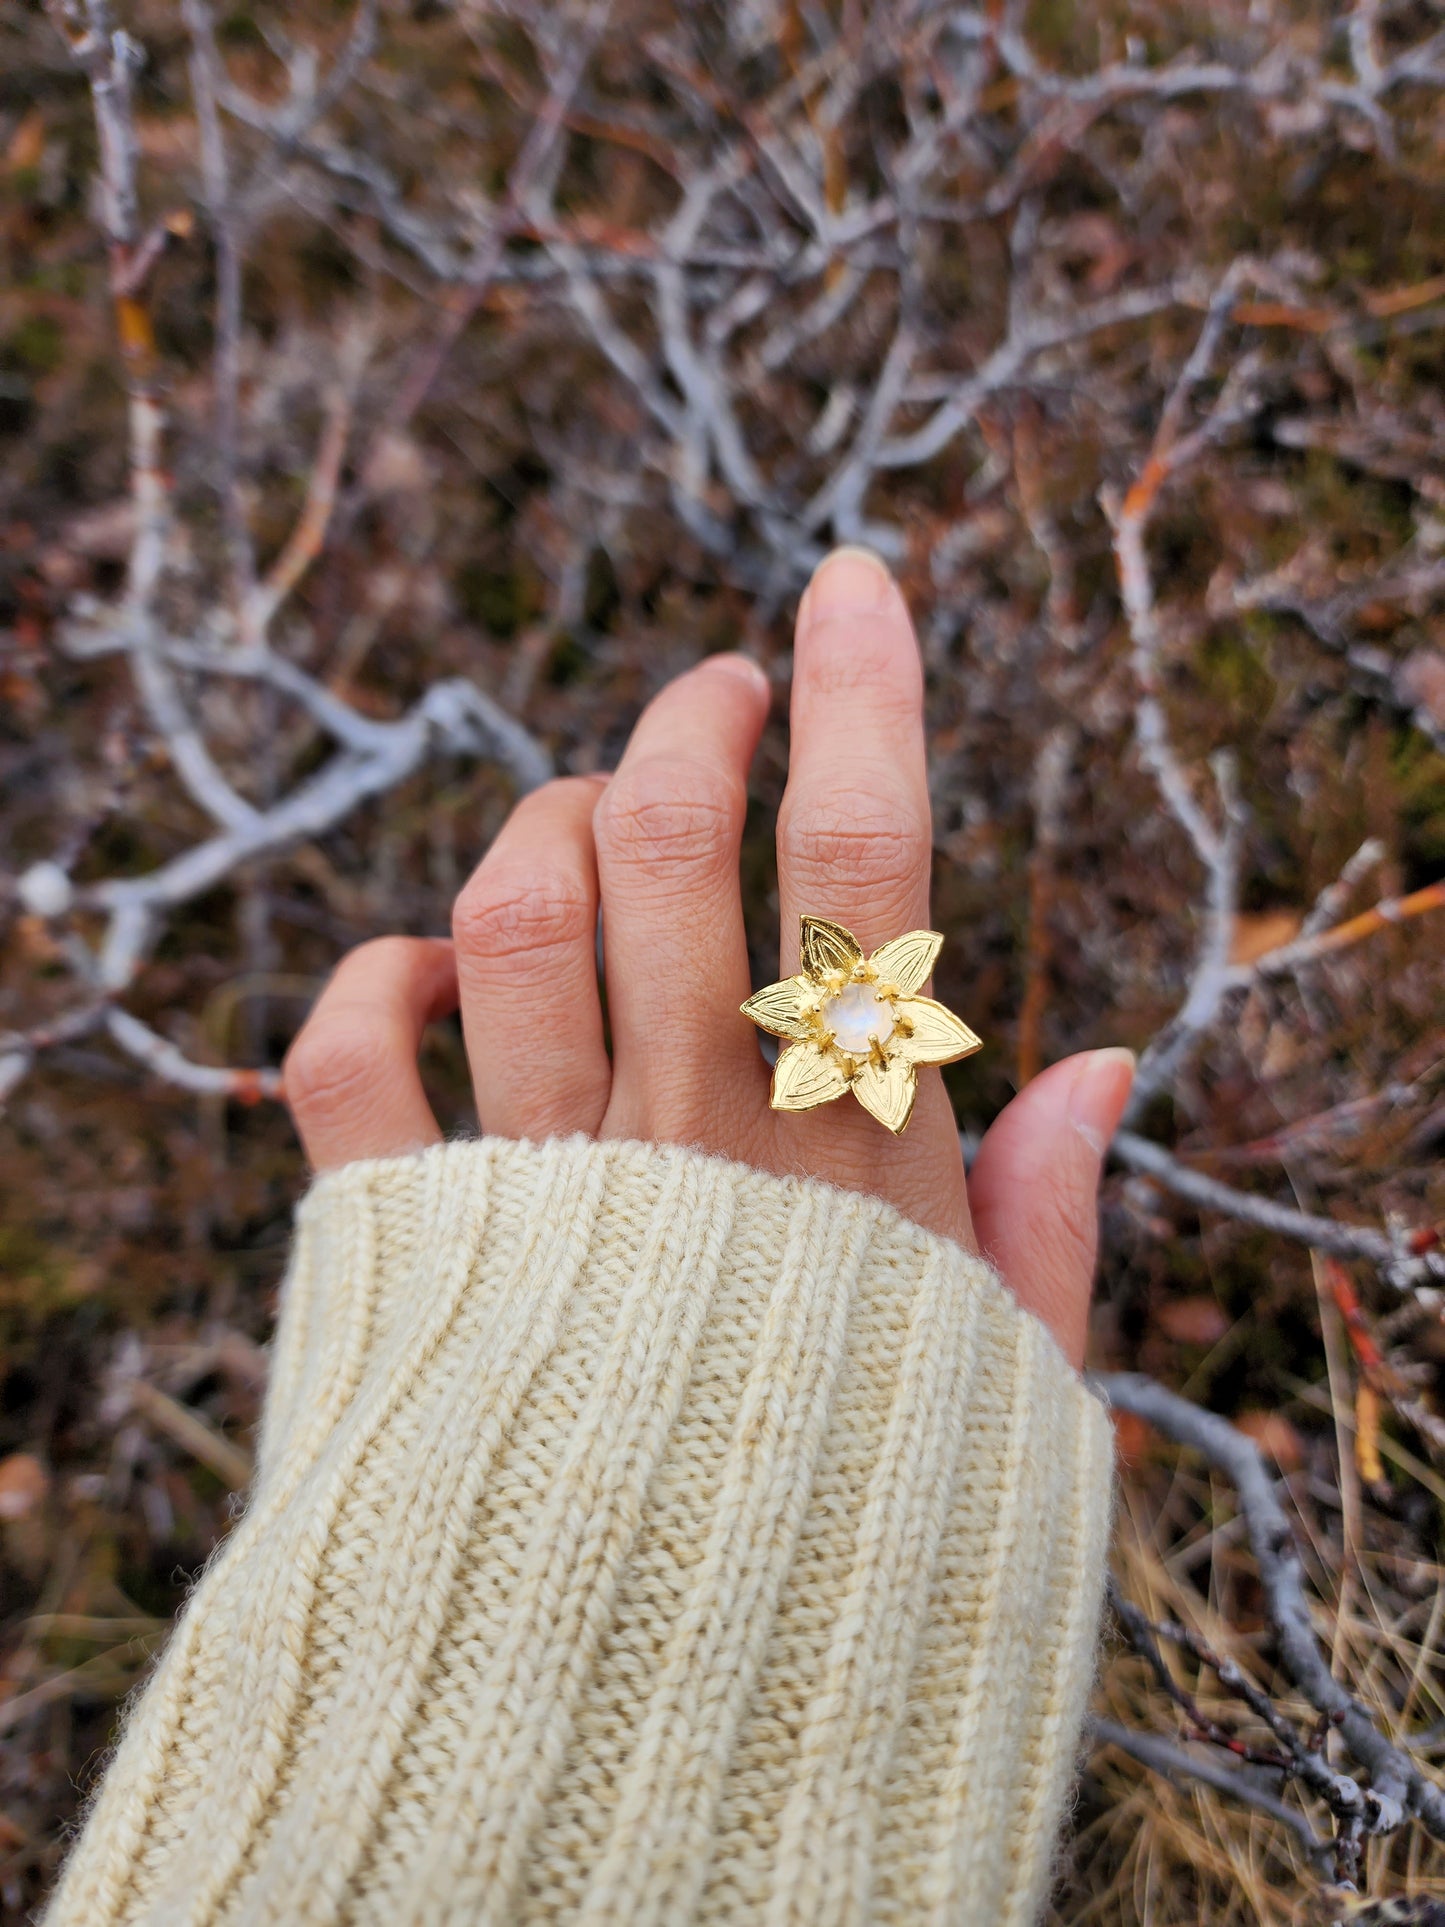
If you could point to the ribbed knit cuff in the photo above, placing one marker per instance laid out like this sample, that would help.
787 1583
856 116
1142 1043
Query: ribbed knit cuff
636 1539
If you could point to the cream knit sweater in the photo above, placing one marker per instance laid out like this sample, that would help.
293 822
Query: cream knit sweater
635 1539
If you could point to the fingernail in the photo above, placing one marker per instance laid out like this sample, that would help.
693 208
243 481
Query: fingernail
847 579
743 667
1098 1094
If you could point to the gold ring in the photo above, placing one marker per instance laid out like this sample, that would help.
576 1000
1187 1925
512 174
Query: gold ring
857 1023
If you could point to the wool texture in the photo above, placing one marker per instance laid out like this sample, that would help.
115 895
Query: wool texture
636 1540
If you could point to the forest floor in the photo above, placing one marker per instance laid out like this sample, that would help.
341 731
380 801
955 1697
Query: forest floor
546 348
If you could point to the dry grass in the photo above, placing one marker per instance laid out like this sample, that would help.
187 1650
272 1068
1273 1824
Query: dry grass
1146 1850
565 535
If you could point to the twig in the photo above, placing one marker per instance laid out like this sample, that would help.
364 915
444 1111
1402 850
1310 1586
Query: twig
106 1675
1175 1763
194 1433
578 37
1390 1253
305 541
1217 847
1397 1785
162 1058
1050 775
207 80
1312 947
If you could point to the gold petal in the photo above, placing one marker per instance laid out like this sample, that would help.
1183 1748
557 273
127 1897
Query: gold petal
779 1008
805 1075
888 1091
930 1034
907 960
828 946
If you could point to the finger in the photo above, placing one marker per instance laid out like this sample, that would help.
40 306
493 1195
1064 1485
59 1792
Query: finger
668 833
350 1076
855 846
525 929
1035 1182
854 831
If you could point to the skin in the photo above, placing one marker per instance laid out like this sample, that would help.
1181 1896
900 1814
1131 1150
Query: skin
655 848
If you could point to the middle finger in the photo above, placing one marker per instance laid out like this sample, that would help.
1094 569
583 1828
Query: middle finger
855 833
855 845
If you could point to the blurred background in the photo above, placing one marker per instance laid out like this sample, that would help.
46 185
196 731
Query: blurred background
394 394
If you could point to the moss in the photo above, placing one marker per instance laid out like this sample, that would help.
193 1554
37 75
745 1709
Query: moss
1417 771
1358 509
241 30
568 663
601 599
501 601
37 345
32 1281
1232 672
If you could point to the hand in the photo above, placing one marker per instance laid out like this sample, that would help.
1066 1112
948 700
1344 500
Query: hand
655 847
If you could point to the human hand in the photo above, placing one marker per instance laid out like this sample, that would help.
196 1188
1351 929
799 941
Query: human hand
655 848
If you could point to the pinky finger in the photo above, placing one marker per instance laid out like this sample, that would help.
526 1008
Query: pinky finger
351 1077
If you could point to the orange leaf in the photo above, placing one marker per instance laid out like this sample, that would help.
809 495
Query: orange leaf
1367 1434
1275 1437
1132 1437
1201 1321
23 1485
27 143
1255 936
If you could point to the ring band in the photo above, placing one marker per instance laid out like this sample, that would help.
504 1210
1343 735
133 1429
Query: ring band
856 1023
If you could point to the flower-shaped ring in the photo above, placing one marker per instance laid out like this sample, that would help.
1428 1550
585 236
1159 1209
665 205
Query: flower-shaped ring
856 1023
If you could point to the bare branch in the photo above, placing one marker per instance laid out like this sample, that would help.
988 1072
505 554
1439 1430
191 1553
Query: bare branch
158 1055
1397 1784
1391 1254
1217 847
1315 943
1177 1763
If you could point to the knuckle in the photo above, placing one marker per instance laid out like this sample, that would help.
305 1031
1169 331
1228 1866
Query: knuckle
879 844
507 915
671 815
333 1064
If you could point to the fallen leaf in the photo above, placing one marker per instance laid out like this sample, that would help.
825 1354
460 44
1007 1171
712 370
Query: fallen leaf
36 942
1103 244
23 1484
1255 935
1200 1320
1283 1050
1275 1436
27 143
1132 1437
397 465
163 140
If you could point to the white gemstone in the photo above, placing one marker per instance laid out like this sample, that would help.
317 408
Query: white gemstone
855 1015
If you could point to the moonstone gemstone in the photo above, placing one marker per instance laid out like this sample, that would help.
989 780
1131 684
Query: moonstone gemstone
856 1014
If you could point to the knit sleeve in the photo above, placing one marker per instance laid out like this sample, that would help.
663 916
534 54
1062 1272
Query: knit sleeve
635 1539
